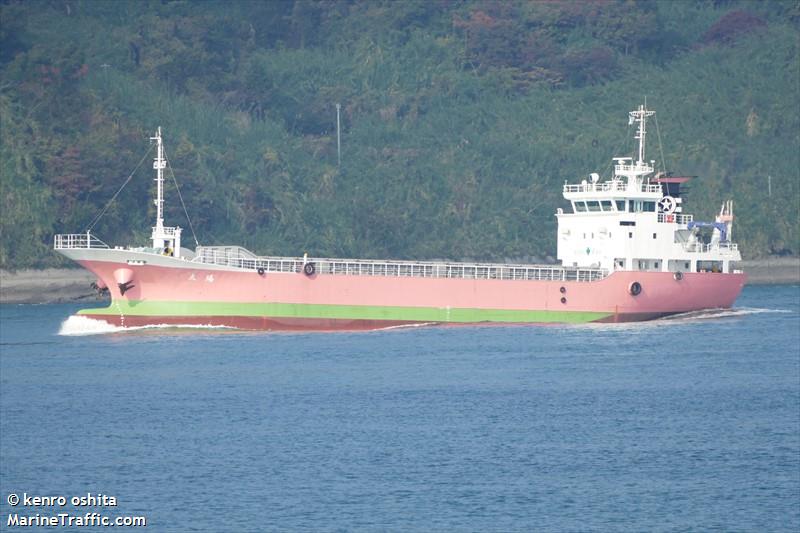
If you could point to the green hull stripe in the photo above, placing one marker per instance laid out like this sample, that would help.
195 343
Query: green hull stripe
345 312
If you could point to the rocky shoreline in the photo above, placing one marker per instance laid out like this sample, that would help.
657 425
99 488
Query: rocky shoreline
53 285
49 285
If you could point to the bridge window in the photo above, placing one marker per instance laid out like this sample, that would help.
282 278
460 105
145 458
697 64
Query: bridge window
580 207
606 205
620 205
593 205
649 207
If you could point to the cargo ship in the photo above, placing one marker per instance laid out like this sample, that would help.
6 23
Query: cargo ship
627 252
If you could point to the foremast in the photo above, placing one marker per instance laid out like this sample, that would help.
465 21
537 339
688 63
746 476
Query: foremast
159 165
165 238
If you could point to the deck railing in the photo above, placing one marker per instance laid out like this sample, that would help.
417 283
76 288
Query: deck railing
168 231
224 251
422 269
597 187
241 258
611 186
699 247
678 219
66 241
639 169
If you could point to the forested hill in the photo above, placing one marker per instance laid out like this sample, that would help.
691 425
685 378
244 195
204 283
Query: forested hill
461 120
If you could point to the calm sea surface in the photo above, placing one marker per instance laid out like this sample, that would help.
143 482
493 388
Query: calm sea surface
681 424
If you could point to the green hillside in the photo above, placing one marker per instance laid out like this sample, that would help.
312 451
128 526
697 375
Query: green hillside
460 119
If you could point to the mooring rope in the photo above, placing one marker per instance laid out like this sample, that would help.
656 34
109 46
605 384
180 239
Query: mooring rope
103 212
660 146
180 196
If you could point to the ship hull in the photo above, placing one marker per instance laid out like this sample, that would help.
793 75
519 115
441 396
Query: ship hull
183 293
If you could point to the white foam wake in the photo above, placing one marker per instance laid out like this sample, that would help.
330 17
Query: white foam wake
77 325
406 326
723 313
82 325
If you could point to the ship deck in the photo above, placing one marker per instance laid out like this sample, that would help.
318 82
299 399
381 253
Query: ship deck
238 258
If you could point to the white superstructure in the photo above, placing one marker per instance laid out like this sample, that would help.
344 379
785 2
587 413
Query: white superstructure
634 221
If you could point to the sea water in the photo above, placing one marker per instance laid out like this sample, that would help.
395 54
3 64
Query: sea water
690 423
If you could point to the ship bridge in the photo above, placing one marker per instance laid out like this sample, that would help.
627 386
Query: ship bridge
635 221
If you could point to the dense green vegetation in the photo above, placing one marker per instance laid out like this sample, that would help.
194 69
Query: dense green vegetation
460 119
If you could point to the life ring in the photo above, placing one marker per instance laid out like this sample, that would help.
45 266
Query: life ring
309 269
261 271
563 290
678 276
635 288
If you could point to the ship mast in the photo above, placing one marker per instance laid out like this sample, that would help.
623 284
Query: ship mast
159 164
166 239
640 116
625 167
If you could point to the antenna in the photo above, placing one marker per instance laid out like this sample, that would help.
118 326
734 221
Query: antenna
338 136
